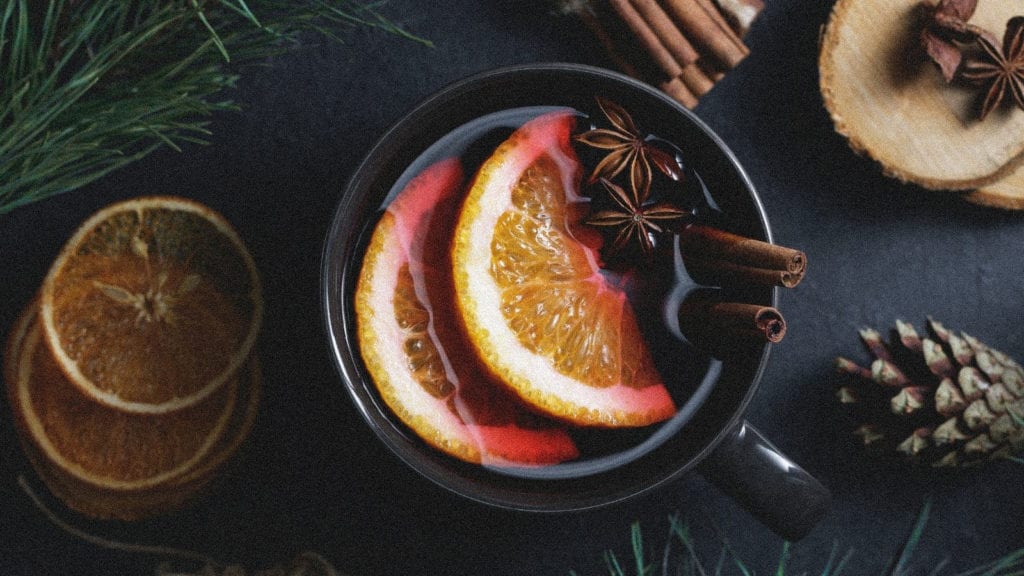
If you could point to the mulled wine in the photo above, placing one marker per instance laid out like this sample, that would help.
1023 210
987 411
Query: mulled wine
645 263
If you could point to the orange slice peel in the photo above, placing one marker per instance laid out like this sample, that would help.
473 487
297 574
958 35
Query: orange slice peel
537 308
413 349
101 445
152 305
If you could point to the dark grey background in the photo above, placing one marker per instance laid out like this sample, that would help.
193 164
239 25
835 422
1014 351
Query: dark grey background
316 478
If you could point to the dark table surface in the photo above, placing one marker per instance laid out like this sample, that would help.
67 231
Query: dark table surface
315 477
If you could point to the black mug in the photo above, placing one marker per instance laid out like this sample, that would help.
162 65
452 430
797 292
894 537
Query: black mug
708 434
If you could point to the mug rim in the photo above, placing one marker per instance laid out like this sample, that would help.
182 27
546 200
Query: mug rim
359 185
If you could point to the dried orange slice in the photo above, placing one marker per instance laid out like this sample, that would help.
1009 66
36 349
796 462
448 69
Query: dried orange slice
535 304
152 305
104 446
411 346
110 464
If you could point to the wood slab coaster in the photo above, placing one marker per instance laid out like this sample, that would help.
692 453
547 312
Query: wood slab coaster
1006 193
892 104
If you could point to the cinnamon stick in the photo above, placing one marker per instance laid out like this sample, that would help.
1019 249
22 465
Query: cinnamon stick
714 256
663 26
696 79
699 26
647 37
677 90
726 328
718 273
727 29
692 75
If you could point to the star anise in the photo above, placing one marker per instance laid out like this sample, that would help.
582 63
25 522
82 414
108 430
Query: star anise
945 23
627 148
636 220
1000 68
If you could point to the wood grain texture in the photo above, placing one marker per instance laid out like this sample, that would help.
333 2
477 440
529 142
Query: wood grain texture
1006 193
893 105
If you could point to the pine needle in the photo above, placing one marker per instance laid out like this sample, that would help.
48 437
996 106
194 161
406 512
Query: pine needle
907 550
688 562
836 570
87 87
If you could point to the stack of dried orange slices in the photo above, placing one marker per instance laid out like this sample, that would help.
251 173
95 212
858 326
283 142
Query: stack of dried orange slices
132 376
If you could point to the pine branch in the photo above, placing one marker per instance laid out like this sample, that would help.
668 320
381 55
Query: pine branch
87 87
690 561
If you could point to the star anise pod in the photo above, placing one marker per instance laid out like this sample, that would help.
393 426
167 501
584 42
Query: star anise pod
944 23
635 220
627 148
1001 68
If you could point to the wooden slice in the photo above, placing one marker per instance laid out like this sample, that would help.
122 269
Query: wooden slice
893 105
1006 193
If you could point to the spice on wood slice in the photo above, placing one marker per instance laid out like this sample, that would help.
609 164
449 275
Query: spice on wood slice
892 103
1006 193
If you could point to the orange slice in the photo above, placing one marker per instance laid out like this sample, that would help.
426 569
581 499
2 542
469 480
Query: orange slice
411 346
536 306
101 445
90 456
152 305
136 504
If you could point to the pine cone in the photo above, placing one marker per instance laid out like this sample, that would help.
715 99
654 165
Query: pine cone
943 400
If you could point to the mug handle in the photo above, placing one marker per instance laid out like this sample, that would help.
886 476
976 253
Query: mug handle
780 494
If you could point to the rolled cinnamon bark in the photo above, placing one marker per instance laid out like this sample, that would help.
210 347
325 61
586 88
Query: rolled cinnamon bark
724 27
714 256
678 90
661 24
696 80
647 38
727 328
719 273
701 28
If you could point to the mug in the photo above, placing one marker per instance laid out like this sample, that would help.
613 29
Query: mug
708 434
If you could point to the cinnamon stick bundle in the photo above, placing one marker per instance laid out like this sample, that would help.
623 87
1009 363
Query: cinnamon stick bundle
726 328
690 44
691 74
717 257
